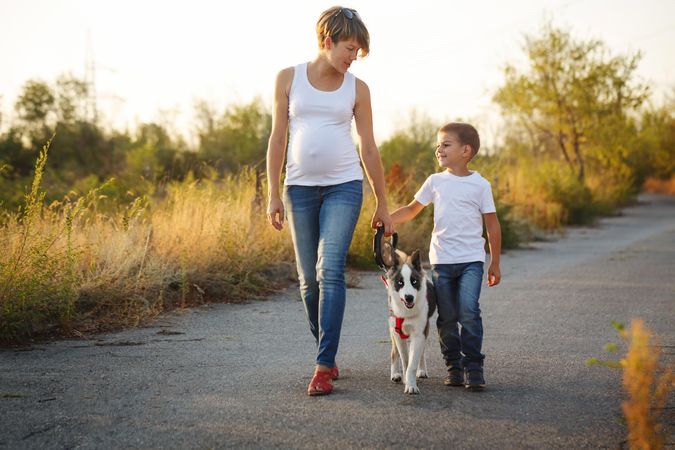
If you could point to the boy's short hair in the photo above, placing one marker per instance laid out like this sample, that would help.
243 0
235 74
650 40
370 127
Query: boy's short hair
341 24
466 134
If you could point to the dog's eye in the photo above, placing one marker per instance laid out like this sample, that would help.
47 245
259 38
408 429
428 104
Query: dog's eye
414 281
399 283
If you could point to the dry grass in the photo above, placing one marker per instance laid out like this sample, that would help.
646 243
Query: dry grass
530 200
647 387
205 241
646 382
69 268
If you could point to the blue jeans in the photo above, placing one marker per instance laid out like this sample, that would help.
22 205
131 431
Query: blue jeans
457 292
322 221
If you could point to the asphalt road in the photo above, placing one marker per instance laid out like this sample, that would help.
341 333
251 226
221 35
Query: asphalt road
224 376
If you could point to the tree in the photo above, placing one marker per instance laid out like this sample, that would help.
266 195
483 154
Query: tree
162 152
413 145
71 98
35 107
237 138
655 155
572 94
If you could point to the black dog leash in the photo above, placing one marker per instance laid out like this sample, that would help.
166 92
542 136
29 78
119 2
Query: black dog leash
377 246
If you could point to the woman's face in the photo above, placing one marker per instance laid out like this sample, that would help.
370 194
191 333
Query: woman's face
343 53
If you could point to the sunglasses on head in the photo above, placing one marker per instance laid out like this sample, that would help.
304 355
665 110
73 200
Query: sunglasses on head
348 12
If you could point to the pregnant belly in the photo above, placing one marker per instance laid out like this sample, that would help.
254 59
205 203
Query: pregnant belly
319 158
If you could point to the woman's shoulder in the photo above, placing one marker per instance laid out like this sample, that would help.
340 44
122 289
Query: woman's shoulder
360 84
285 79
286 73
290 71
362 90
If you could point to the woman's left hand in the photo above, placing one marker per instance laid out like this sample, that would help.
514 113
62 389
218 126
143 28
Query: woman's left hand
381 217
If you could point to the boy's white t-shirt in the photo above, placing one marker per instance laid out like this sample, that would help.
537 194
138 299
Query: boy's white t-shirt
459 205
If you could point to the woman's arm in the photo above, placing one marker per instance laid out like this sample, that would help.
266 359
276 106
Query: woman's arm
276 148
363 117
406 213
494 232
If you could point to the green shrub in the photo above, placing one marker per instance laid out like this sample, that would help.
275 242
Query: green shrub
37 276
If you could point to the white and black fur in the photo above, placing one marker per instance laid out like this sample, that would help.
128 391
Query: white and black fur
411 296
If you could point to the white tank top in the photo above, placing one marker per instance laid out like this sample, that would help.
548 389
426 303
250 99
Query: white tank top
321 151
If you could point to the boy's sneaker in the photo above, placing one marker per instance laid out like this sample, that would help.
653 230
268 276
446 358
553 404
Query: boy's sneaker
475 380
455 377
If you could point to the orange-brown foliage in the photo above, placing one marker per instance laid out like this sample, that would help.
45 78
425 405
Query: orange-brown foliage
658 186
647 389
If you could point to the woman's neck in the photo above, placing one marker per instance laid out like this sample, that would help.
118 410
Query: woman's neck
322 68
322 75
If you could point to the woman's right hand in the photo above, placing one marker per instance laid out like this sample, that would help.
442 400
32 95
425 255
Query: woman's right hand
275 212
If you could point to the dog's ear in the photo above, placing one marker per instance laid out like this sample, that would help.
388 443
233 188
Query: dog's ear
416 261
388 255
400 257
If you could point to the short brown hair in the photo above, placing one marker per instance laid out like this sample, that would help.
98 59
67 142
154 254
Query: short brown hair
466 134
335 23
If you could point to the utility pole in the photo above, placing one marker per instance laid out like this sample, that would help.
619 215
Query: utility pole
90 80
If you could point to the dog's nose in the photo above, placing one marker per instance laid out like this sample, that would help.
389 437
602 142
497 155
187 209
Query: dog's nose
409 298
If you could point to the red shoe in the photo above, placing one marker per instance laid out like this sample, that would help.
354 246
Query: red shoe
321 384
334 373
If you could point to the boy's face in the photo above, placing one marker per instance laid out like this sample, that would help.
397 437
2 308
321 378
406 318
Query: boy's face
450 151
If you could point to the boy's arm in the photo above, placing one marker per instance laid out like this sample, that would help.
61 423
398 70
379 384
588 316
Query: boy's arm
406 213
494 232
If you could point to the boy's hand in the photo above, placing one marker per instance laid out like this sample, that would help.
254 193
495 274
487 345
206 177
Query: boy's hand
494 275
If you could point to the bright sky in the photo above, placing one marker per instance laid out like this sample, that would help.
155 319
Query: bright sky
444 58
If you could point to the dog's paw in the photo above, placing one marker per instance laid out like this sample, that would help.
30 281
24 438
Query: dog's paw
422 374
410 389
396 378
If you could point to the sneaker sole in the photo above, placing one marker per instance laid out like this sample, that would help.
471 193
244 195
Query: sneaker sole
449 383
475 387
318 393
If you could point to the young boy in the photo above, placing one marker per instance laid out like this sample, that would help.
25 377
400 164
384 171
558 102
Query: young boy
462 200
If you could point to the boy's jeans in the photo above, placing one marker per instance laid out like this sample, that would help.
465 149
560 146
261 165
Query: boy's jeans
322 221
457 292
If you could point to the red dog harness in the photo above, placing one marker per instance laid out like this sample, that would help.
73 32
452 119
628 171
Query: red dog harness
399 320
399 327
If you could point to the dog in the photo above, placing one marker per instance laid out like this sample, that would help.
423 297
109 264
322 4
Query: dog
412 301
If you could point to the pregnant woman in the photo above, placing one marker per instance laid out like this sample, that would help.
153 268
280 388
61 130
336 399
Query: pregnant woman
316 102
